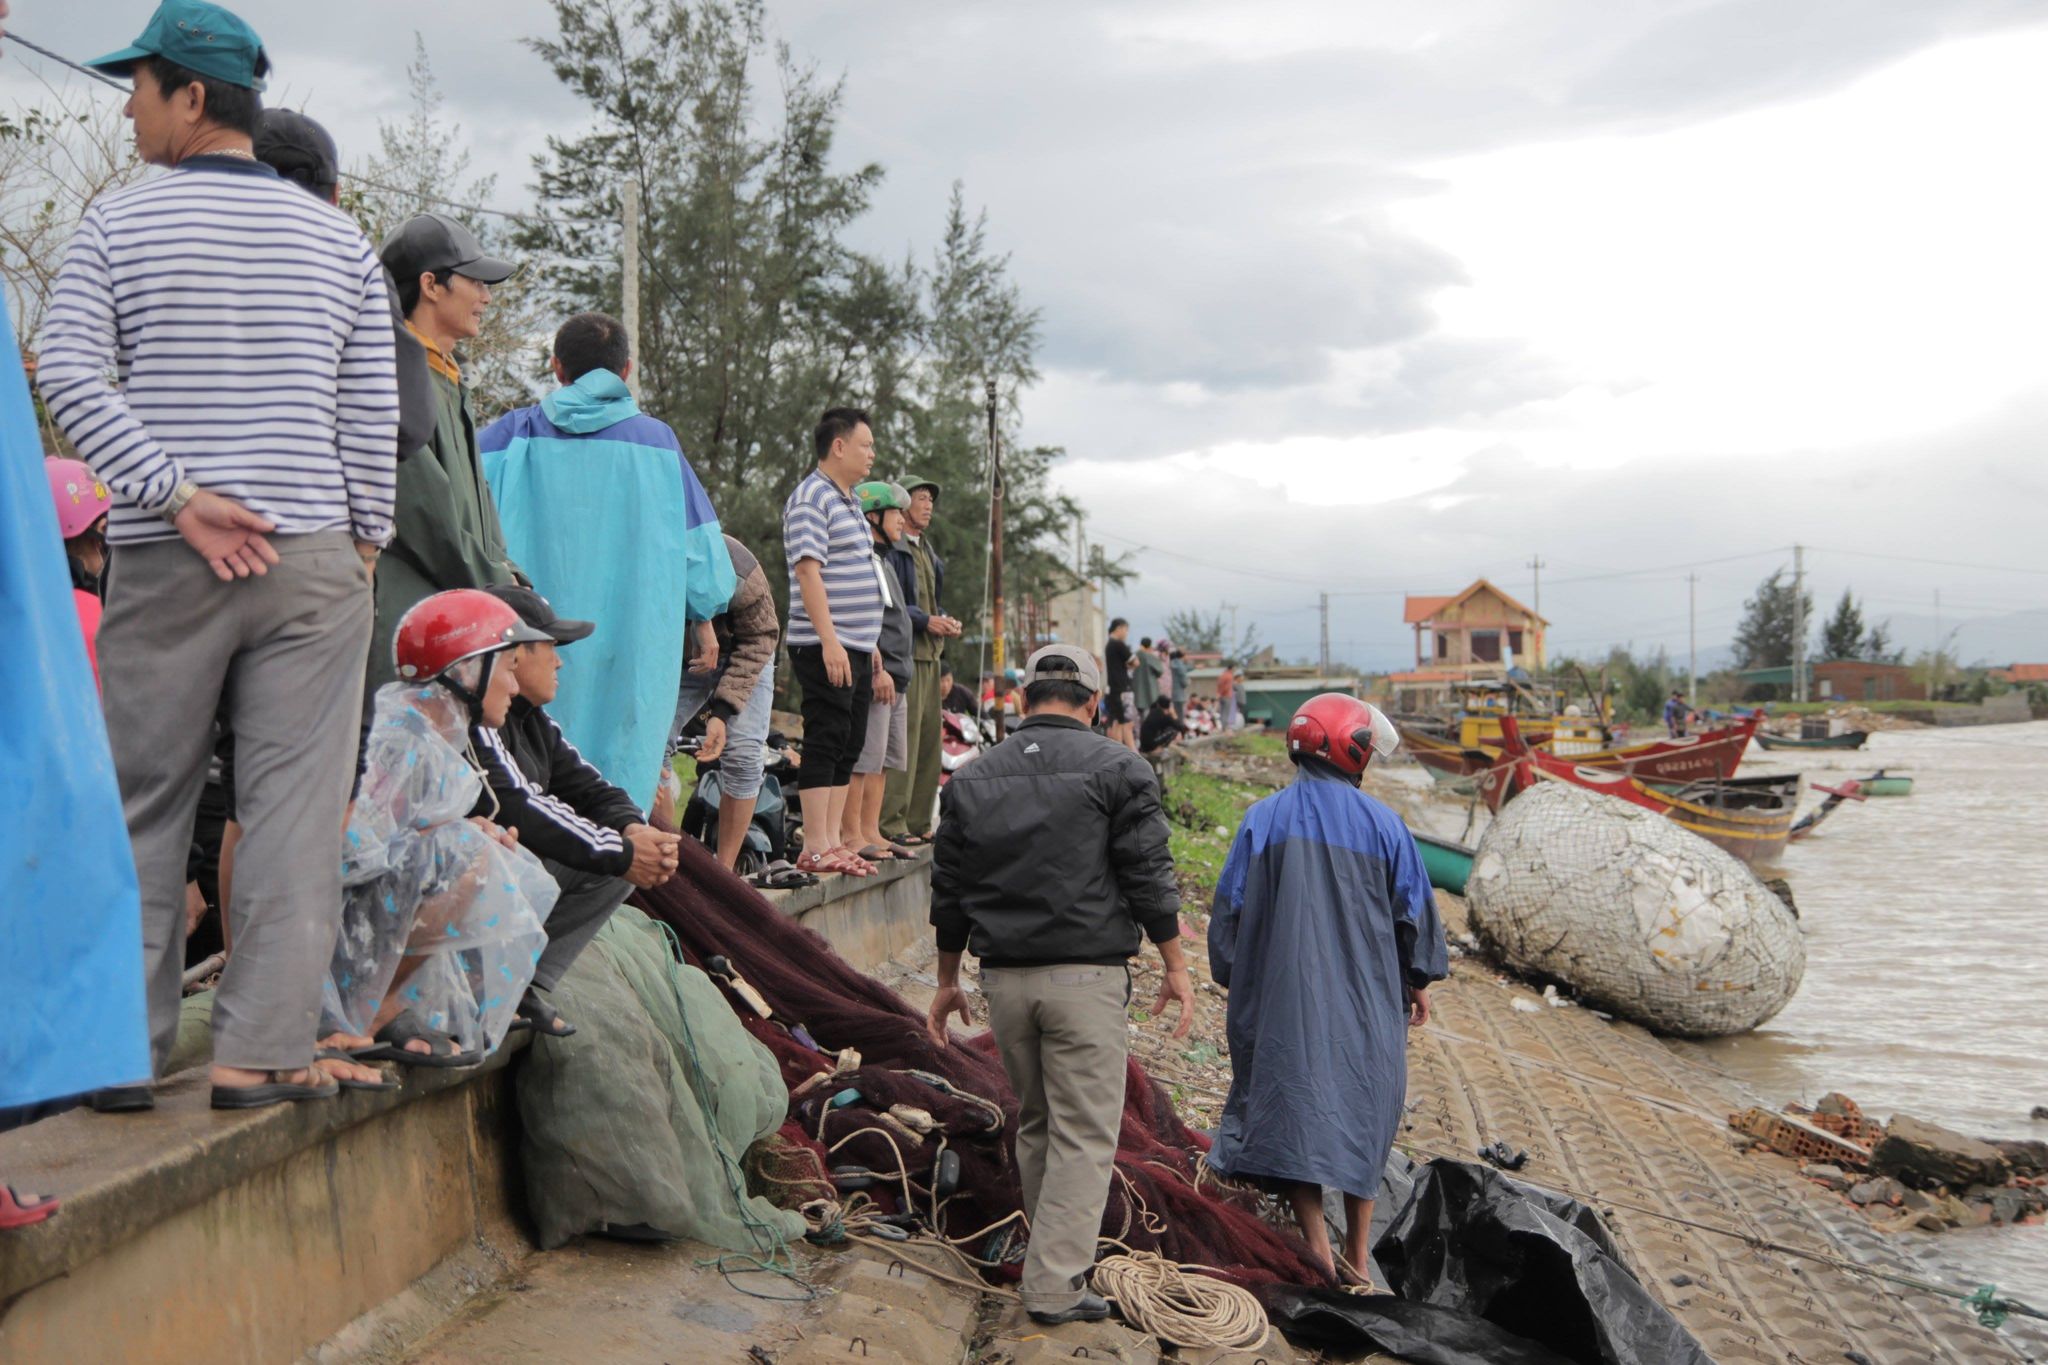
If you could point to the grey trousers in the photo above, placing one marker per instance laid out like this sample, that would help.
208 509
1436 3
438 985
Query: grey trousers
286 651
1064 1035
587 901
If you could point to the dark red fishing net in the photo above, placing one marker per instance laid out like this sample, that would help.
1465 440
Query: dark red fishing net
1154 1204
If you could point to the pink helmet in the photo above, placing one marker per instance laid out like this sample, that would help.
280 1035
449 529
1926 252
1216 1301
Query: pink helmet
80 496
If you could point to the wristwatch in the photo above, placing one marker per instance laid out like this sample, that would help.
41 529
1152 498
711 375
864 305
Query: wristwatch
182 494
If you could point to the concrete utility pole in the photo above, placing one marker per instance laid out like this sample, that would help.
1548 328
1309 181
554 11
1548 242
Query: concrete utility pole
629 282
1535 567
1940 668
1231 643
1324 670
995 542
1692 635
1799 623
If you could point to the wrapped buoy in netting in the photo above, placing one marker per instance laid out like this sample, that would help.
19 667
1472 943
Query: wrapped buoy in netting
1641 917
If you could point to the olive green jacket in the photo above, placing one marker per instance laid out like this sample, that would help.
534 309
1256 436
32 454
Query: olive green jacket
447 526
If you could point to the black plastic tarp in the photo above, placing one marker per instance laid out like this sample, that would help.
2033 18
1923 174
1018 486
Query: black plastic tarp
1486 1269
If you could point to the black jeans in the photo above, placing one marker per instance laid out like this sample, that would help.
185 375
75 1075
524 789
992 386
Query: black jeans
835 718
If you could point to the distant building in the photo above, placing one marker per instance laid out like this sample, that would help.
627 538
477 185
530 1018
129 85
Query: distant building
2020 675
1475 631
1856 680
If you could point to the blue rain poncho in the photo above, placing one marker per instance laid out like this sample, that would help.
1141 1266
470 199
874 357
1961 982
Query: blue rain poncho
71 923
1322 916
603 512
421 880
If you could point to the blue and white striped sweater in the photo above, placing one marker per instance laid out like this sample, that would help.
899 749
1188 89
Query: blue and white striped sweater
247 332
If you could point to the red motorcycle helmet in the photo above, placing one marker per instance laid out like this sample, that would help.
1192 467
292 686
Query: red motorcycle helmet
1342 731
449 627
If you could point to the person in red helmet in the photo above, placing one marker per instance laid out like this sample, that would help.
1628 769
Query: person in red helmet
82 506
444 914
1325 931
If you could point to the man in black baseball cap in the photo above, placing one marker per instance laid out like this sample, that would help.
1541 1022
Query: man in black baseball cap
448 531
589 834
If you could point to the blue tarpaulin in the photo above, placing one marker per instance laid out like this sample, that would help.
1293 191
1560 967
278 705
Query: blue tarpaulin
605 515
71 919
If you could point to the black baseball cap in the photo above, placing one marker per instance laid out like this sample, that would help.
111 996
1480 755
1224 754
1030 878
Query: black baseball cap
536 611
298 148
435 242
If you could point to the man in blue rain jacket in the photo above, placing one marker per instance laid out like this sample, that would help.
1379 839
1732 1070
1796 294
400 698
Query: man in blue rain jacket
1325 932
603 512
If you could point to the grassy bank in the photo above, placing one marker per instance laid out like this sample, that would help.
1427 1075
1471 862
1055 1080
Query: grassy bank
1203 807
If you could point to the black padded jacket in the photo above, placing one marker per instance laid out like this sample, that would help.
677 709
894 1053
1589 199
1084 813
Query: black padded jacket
1052 848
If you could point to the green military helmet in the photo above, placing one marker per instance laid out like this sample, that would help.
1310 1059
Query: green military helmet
879 495
913 483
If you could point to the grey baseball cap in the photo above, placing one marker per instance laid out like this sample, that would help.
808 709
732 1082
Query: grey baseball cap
1063 663
435 242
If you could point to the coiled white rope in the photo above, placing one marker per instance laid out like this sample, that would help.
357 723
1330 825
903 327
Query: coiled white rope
1156 1295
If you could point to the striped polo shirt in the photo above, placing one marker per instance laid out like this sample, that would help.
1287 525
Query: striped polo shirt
220 324
820 522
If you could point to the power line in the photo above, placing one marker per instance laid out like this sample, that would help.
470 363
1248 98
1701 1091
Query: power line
1938 563
100 76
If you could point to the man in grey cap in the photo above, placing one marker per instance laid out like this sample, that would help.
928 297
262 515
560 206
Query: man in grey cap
448 534
1051 861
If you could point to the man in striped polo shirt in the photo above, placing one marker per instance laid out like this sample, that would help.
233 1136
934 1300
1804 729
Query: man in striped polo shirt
835 618
248 436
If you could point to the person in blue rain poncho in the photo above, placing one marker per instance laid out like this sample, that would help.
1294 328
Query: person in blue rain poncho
602 511
1326 934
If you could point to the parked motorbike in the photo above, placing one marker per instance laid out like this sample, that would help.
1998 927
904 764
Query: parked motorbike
960 743
774 825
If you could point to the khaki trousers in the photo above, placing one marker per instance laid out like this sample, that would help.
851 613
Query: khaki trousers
911 794
286 651
1064 1037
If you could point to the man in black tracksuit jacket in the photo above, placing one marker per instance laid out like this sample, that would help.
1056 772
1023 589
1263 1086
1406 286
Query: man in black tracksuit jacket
1051 861
589 834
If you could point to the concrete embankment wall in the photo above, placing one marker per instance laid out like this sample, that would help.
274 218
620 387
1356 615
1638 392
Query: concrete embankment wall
342 1228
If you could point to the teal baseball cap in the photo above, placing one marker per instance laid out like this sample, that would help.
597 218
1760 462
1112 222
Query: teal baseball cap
199 37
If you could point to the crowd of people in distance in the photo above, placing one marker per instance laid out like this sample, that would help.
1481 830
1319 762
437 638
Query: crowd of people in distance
1149 704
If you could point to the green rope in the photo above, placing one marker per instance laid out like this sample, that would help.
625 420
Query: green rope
780 1260
1991 1310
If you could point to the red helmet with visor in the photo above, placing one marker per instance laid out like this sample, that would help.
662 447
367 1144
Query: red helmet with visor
449 627
1342 731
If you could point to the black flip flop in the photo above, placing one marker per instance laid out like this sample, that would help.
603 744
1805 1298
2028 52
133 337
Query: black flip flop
781 875
913 840
335 1054
538 1015
406 1028
272 1092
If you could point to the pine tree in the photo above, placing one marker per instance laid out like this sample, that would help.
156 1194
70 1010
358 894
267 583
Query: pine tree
1764 639
1843 636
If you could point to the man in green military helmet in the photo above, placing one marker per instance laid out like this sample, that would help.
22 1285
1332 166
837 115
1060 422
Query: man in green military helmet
911 796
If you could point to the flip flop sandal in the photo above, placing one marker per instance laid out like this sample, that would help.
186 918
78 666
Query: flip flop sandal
406 1028
818 864
912 840
273 1092
875 853
780 876
537 1014
335 1054
855 865
17 1212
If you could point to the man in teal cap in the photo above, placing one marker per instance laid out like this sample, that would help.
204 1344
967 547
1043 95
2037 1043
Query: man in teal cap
249 440
198 70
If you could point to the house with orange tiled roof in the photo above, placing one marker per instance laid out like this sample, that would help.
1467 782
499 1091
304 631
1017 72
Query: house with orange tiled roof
1474 632
2019 675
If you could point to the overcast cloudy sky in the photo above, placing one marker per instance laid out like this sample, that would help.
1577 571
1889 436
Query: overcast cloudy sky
1373 298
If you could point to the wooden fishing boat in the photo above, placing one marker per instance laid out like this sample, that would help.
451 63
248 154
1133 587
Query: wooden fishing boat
1848 739
1882 783
1445 759
1447 862
1750 817
1708 754
1852 790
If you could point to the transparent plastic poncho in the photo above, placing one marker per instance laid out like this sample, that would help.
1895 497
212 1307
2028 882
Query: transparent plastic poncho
421 880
